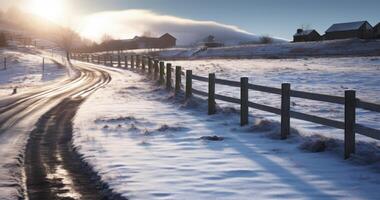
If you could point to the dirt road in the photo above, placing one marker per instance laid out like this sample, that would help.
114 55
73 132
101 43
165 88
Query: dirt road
53 170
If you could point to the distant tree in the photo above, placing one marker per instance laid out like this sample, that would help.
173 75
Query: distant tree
147 34
305 26
106 38
266 39
3 40
209 38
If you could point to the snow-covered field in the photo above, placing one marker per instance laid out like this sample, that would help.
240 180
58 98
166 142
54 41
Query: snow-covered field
146 144
344 47
318 75
24 71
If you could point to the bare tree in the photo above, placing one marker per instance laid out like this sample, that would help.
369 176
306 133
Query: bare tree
66 39
106 38
3 40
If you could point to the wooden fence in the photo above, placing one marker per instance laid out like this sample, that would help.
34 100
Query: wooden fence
157 71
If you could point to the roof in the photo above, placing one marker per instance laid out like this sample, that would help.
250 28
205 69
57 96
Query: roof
167 35
305 32
145 38
377 25
346 26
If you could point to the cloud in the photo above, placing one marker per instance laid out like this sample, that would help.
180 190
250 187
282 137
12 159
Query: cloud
128 23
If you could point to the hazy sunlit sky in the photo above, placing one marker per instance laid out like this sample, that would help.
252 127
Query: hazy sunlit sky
278 18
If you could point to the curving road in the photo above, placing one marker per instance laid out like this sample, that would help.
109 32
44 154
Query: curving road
53 170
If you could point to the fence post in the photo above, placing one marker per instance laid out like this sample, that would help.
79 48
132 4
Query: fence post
137 61
98 59
162 68
149 65
43 65
168 76
349 122
111 60
105 59
88 58
285 110
132 62
155 69
126 61
177 79
243 101
118 60
5 63
211 94
189 79
143 63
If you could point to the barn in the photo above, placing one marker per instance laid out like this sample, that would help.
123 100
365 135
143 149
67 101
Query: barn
360 29
165 41
376 31
306 35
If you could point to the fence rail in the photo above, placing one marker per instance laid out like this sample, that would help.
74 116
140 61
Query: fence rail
158 72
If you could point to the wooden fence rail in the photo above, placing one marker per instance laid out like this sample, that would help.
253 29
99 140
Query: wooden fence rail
349 101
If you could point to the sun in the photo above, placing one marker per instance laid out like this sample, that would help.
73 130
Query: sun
52 10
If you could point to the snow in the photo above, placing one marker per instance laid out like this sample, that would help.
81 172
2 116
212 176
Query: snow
146 144
24 71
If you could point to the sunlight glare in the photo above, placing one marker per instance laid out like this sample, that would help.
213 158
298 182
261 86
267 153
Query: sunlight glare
52 10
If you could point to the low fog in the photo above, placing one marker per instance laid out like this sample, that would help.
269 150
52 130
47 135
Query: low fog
128 23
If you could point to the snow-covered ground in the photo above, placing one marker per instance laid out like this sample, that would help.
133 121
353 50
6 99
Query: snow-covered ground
24 71
345 47
146 144
318 75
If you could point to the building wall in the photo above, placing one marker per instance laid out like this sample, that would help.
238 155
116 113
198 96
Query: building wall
166 42
157 43
376 32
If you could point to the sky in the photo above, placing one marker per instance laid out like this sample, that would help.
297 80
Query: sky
278 18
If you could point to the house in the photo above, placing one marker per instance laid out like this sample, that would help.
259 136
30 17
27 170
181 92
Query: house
376 31
306 35
360 29
210 42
